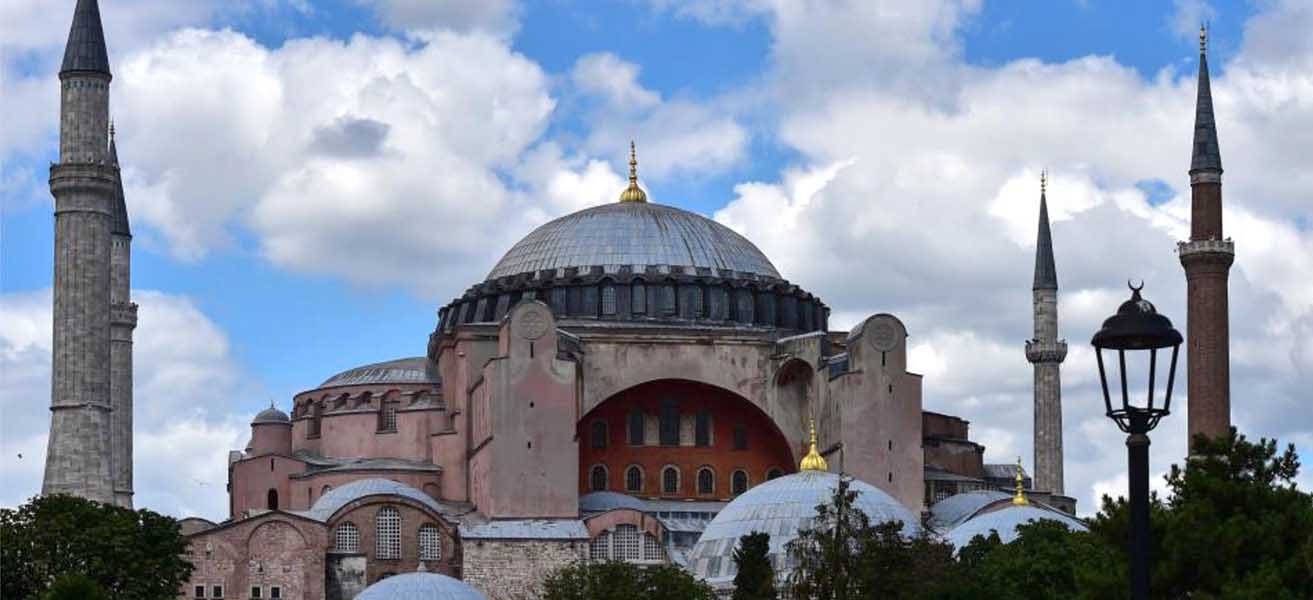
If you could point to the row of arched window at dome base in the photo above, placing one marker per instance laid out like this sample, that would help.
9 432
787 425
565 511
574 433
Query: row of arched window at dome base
387 537
671 296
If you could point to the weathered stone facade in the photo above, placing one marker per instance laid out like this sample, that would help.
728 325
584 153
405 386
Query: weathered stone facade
515 569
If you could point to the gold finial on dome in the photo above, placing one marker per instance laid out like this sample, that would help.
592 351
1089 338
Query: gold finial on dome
1020 498
813 461
633 193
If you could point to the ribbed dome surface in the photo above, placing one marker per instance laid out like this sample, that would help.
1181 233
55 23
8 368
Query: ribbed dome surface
639 234
271 415
782 507
421 586
402 370
1005 521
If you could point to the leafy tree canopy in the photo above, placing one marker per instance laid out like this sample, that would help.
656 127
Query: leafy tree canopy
755 576
127 554
615 580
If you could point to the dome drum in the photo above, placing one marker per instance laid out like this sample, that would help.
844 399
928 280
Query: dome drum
667 294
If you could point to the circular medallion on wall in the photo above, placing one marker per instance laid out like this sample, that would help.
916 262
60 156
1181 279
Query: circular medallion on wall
882 333
532 323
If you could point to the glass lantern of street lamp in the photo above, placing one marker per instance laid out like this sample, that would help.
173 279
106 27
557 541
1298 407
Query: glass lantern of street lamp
1137 328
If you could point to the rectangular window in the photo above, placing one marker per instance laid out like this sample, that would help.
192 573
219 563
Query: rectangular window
702 430
740 437
200 591
388 419
668 299
275 592
636 428
255 591
638 298
216 591
669 427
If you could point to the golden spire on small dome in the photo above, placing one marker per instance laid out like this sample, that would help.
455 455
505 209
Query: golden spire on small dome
633 193
1020 498
813 461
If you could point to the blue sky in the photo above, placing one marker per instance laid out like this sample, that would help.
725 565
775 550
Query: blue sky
288 321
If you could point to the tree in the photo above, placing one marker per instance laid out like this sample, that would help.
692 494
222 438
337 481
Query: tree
615 580
842 556
130 555
1233 526
1046 561
755 576
74 587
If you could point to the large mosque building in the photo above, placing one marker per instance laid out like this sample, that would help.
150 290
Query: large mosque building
631 382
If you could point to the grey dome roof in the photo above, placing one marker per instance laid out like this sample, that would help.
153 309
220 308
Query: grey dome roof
1005 521
604 501
954 510
781 507
336 498
271 415
421 586
638 234
402 370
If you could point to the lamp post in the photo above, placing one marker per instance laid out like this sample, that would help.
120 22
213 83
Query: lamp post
1137 328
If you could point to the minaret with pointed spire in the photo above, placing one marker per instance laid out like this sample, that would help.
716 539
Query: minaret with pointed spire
1207 259
123 320
80 456
1046 353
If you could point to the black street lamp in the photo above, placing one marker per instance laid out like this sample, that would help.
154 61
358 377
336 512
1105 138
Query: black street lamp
1137 327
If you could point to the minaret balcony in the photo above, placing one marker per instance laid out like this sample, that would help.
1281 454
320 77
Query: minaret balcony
1041 351
1218 253
123 314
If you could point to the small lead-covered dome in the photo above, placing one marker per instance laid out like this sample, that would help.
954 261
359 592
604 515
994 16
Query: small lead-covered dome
1005 521
421 586
271 415
782 507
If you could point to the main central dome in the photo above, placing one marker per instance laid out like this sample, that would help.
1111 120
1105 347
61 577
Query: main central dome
637 234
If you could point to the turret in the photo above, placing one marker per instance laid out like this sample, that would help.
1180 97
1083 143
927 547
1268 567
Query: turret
271 433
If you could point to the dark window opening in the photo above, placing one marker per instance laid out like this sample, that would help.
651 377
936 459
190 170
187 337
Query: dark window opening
670 480
200 591
272 499
636 428
608 300
740 437
256 591
702 430
773 474
668 299
739 482
598 434
669 422
706 481
275 592
634 479
638 298
597 479
216 591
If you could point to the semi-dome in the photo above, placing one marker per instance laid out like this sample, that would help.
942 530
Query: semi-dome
1005 521
421 586
635 234
782 507
415 369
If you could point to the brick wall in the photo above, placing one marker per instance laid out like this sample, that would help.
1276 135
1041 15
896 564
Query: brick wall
515 569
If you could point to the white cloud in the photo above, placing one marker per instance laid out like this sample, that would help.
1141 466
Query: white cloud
934 219
187 408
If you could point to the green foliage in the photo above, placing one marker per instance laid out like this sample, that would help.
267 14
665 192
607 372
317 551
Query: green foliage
1045 561
844 557
755 576
129 555
74 587
623 581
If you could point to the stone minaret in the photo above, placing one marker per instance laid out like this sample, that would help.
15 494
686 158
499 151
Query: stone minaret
1046 352
122 321
80 456
1207 259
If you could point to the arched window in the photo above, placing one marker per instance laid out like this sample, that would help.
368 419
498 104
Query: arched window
773 473
271 499
430 542
599 434
387 416
652 549
597 478
316 416
670 480
706 481
637 298
608 299
738 482
626 543
669 422
634 479
347 538
636 428
600 547
387 533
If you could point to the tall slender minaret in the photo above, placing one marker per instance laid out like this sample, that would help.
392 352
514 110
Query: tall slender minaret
122 322
1207 259
79 456
1046 352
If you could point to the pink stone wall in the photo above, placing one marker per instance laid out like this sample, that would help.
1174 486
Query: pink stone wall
274 549
270 438
364 514
251 479
308 490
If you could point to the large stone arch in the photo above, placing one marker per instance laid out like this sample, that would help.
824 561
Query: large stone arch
794 394
727 413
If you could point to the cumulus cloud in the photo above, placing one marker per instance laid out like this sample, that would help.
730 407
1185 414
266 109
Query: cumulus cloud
185 411
932 215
